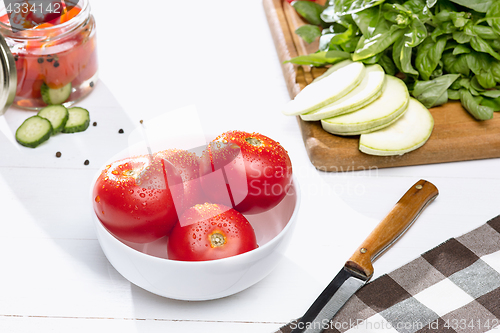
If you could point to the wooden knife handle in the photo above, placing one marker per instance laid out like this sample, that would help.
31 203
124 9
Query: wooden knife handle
399 219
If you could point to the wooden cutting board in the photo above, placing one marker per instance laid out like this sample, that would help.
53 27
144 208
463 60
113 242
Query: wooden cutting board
456 136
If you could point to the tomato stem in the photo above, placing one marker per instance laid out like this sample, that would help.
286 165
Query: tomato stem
217 239
254 142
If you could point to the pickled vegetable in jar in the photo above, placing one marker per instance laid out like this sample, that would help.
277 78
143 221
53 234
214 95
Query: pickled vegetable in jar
55 56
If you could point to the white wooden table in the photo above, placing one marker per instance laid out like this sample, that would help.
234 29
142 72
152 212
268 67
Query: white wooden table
218 55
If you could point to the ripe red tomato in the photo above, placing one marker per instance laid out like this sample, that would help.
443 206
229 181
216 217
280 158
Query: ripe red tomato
247 171
187 164
209 232
134 198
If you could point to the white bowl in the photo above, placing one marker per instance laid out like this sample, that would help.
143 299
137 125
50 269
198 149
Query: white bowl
147 266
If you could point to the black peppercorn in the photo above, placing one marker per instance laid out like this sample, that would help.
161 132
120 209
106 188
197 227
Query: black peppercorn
58 154
86 162
95 123
40 60
121 131
56 64
92 84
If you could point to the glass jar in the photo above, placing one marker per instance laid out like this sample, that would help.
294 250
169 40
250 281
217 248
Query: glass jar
56 62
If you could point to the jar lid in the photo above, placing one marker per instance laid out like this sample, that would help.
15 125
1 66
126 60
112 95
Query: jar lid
8 76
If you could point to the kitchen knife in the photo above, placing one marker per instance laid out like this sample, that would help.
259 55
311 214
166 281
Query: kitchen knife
359 269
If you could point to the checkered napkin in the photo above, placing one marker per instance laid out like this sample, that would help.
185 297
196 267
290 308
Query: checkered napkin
454 287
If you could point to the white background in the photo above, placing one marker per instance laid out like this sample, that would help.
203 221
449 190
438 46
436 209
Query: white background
219 56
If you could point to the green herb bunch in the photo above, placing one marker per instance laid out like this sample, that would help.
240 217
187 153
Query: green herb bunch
443 49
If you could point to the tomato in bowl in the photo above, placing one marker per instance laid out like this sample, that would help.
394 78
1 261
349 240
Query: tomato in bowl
153 267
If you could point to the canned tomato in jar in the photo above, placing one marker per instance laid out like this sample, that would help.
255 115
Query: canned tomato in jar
53 45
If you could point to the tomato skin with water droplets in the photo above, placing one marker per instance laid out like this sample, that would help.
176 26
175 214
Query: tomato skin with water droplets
135 198
209 232
187 164
257 171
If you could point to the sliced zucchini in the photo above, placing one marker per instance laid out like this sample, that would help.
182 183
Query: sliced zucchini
57 115
391 104
332 69
328 90
33 131
375 128
55 96
78 120
410 132
366 92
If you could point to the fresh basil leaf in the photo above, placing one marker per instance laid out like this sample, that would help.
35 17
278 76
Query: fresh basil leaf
481 6
481 45
419 10
495 70
442 99
442 16
477 61
387 64
343 37
493 103
450 44
416 33
351 44
369 47
428 56
465 83
401 53
484 32
495 44
456 85
453 94
431 3
460 49
486 79
493 16
438 71
308 32
367 20
443 29
455 65
480 112
494 93
459 19
310 11
461 37
475 93
474 83
372 60
344 7
430 93
320 58
443 5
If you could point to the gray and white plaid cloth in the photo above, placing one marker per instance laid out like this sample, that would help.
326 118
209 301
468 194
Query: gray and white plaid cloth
454 287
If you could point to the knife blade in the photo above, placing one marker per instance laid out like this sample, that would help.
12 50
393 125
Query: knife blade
358 270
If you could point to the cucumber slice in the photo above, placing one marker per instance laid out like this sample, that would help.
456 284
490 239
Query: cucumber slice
55 96
78 121
57 115
328 90
410 132
366 92
389 106
33 131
